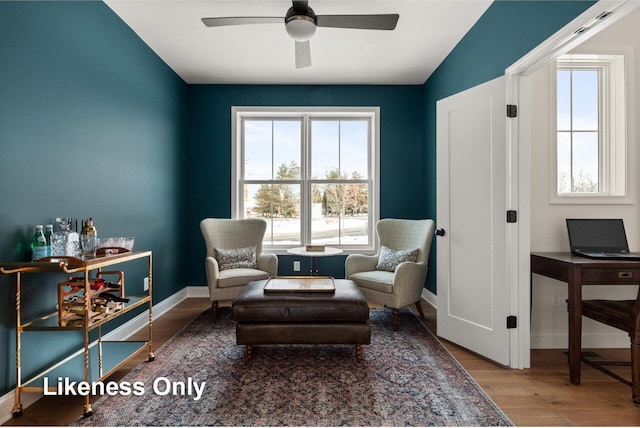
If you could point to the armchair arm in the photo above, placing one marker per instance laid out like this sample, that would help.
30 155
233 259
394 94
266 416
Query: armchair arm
268 263
413 276
355 263
213 272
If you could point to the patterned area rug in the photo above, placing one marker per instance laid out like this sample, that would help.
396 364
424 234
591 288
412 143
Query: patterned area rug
406 378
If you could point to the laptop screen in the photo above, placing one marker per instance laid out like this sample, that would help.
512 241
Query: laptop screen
597 235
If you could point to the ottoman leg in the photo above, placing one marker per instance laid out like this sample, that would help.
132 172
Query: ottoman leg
249 352
358 353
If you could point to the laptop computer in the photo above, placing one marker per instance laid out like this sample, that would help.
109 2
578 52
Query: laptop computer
599 238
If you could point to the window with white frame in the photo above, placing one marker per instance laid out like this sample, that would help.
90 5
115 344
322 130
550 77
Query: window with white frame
311 173
590 127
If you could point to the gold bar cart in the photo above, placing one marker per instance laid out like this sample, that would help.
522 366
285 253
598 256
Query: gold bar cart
52 321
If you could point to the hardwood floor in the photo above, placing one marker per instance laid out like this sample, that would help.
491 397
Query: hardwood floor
542 394
539 396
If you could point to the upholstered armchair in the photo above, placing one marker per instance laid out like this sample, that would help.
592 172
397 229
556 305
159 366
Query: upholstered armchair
234 256
396 274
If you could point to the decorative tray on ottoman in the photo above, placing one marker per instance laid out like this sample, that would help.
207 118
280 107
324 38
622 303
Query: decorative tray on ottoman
304 284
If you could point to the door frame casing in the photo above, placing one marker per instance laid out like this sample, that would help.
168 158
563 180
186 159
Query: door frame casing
518 160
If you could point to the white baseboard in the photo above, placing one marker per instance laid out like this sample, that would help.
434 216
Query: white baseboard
197 291
126 330
431 298
589 341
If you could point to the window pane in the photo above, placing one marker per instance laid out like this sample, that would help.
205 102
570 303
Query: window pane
585 100
564 162
339 214
257 200
258 150
564 99
354 142
325 149
285 224
339 149
585 162
279 205
286 149
270 145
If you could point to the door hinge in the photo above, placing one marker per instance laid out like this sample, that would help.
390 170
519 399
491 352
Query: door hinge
512 321
512 216
512 110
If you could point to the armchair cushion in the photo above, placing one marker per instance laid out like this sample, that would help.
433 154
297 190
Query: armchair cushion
236 258
379 280
240 277
389 259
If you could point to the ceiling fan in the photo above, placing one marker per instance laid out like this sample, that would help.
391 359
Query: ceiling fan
301 22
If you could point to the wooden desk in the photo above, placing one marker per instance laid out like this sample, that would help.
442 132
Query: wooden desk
578 271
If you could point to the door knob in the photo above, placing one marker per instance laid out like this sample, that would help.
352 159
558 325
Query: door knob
440 232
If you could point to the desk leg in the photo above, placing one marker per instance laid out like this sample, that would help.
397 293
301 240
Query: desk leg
575 324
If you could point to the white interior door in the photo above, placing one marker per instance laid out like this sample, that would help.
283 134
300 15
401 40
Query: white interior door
473 297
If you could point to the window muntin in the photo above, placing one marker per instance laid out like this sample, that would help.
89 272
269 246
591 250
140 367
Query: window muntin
311 174
590 127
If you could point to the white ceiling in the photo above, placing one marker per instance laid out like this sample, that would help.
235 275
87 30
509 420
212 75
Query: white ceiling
264 54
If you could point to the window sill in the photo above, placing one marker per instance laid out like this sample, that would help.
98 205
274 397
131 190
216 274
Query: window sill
590 200
345 251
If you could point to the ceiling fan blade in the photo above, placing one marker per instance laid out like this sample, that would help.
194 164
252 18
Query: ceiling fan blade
303 54
361 22
241 20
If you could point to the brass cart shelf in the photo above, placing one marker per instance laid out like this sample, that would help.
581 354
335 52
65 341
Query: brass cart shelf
91 352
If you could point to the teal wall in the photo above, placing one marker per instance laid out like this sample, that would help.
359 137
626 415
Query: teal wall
208 176
78 87
91 124
505 33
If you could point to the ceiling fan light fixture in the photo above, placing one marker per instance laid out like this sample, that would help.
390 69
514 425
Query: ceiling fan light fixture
301 21
300 27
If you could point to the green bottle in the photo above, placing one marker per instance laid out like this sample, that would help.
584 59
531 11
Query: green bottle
39 248
48 236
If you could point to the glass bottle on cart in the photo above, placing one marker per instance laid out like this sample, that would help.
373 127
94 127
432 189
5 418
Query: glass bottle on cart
65 242
39 247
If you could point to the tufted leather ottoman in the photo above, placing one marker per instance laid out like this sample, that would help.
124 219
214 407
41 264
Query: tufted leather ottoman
341 317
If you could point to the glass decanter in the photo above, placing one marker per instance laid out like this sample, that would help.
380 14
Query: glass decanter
65 242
